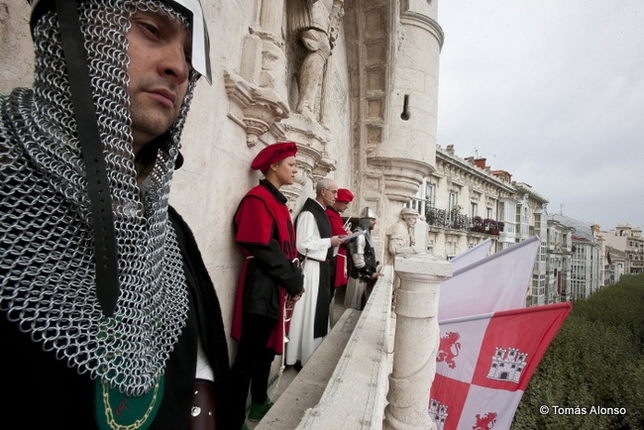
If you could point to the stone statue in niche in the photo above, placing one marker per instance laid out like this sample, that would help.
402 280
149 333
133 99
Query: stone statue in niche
316 24
402 233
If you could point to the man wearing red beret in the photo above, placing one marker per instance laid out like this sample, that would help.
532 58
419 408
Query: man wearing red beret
269 277
334 212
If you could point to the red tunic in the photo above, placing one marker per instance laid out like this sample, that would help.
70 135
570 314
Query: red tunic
259 215
341 259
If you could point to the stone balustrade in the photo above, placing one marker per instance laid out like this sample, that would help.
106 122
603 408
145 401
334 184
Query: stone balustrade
382 378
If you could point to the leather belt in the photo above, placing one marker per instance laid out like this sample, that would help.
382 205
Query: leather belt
303 257
202 413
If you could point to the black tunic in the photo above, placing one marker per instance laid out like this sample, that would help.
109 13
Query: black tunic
41 392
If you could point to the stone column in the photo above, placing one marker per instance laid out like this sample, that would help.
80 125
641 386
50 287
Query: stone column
416 341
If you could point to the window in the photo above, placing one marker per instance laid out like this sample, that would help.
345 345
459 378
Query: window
453 199
430 194
423 200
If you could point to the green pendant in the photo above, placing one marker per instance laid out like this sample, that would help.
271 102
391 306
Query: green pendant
118 411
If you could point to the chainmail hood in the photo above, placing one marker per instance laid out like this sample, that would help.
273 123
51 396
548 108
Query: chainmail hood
46 247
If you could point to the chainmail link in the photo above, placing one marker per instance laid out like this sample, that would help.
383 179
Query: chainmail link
46 247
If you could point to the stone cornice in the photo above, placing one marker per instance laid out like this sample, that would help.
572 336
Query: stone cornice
426 23
402 176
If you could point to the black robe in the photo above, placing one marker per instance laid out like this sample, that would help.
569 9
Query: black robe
325 286
41 392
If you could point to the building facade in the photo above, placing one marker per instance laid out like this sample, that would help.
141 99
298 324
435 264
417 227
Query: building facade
460 204
559 262
628 240
464 202
587 269
616 262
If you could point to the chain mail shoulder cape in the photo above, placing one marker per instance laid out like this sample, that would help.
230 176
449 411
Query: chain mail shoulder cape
46 247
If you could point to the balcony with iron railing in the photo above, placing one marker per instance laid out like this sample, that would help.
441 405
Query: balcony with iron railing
454 220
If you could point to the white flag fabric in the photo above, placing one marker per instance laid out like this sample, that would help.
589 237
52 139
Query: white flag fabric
484 364
495 283
472 255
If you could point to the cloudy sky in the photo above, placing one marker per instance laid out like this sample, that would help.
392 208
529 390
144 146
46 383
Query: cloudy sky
553 92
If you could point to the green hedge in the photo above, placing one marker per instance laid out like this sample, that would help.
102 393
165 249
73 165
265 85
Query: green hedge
596 361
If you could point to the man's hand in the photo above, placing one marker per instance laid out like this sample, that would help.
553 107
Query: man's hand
291 300
337 240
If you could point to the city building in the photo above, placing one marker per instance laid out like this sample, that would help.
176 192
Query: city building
628 240
460 204
464 202
587 262
616 262
559 262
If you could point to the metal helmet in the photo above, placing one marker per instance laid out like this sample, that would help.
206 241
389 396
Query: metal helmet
368 213
200 58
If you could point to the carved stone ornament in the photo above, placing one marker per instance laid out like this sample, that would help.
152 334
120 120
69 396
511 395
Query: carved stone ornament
262 108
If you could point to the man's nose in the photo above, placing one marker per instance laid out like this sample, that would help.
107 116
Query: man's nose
174 63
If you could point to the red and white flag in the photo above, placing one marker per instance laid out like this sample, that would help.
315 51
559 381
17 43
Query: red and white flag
495 283
472 255
484 364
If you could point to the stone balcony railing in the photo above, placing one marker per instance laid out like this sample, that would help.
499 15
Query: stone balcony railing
378 375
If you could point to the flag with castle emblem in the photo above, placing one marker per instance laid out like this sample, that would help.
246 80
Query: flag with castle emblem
495 283
472 255
485 362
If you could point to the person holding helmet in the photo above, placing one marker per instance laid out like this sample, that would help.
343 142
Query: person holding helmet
109 317
362 265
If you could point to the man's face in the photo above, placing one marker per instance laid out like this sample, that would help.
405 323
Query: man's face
341 206
372 223
285 171
159 73
329 194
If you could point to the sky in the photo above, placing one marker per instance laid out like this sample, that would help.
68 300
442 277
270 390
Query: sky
551 91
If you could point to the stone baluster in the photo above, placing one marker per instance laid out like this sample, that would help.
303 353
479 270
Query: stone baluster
416 341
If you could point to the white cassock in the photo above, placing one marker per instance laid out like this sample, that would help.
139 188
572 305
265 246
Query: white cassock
302 344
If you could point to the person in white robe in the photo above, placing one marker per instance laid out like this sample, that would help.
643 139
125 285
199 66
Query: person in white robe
316 247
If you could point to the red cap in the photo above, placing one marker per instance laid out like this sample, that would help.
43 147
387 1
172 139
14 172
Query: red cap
272 154
344 195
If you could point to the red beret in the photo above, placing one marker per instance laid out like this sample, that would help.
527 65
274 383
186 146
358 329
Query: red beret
272 154
344 195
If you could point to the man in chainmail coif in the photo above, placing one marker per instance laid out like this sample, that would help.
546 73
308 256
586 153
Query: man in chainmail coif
109 319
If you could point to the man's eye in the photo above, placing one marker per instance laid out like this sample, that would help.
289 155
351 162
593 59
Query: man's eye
152 29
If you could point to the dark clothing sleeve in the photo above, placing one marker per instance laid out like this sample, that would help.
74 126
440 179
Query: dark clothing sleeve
274 263
207 317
